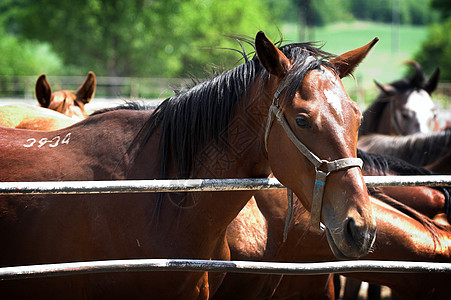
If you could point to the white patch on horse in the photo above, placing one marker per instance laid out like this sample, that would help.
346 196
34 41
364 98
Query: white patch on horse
335 101
421 103
331 95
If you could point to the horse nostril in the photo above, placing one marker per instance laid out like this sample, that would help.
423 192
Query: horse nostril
352 233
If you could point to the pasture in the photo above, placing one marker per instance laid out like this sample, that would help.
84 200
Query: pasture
384 62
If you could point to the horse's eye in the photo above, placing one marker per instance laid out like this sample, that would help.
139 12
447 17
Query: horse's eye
406 114
303 122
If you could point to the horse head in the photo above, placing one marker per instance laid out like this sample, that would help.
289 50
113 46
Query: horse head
314 122
408 105
66 102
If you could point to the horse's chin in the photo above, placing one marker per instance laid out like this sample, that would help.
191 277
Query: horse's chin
338 254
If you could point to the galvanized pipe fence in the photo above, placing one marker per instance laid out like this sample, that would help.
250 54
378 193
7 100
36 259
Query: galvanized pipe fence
192 185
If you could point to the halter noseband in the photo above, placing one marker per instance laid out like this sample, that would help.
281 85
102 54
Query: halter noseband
320 179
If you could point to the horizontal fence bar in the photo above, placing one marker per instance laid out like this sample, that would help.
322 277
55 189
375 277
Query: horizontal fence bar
146 265
193 185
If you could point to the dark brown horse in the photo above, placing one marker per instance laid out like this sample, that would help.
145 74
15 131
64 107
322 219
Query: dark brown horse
403 107
69 103
420 149
216 129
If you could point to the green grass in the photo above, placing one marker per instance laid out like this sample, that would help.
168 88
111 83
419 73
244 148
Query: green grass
385 61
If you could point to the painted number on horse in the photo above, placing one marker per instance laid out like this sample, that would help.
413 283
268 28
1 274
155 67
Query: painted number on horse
52 143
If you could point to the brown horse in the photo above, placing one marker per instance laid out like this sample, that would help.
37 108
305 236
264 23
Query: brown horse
216 129
66 102
403 234
403 107
255 233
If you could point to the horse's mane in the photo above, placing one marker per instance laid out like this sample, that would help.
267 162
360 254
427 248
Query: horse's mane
380 165
127 105
373 114
420 149
201 113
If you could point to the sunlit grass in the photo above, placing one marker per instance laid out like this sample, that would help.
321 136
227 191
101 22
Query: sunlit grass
384 63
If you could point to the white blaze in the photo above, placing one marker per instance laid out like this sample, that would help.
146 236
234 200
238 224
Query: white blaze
421 103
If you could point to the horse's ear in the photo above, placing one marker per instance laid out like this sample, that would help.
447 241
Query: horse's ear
347 62
86 91
432 83
385 88
43 91
272 59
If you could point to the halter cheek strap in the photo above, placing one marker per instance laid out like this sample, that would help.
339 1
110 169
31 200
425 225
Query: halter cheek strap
320 178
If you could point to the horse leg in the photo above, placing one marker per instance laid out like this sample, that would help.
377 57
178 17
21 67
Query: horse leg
374 292
352 288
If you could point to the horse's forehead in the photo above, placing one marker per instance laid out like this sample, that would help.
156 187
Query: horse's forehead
333 91
62 96
419 101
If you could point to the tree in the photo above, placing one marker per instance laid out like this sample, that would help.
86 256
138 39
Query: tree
142 37
435 51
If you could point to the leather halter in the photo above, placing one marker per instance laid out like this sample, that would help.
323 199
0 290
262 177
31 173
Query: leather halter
275 111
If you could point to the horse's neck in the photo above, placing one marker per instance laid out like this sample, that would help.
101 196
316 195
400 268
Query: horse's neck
240 153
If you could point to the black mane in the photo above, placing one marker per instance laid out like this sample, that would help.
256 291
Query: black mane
379 165
420 149
197 115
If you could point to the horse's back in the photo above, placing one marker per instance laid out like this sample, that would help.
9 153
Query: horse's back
32 117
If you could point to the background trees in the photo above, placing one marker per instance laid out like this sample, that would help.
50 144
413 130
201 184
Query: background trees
174 38
436 49
139 38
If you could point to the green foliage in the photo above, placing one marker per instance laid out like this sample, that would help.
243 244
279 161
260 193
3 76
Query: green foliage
415 12
436 50
329 11
443 6
142 38
21 57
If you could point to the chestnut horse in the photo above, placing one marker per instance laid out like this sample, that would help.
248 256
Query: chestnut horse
403 234
65 101
403 107
216 129
58 110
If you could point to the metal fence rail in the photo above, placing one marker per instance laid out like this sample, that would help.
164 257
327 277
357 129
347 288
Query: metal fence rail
146 265
193 185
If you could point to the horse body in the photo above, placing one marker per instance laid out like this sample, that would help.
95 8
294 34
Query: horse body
66 102
57 109
401 236
213 130
32 117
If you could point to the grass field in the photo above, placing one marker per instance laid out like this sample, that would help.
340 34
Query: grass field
384 63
